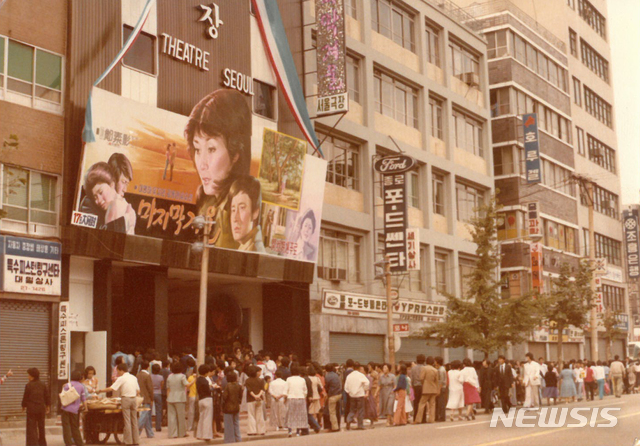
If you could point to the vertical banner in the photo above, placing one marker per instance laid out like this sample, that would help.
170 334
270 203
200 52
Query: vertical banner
413 249
394 199
531 147
63 341
333 96
533 218
536 267
630 225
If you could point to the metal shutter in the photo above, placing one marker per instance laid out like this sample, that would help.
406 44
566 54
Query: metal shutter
617 348
457 354
479 356
410 348
538 350
24 343
359 347
571 351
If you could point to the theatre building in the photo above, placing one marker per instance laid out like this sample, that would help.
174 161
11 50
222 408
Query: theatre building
138 284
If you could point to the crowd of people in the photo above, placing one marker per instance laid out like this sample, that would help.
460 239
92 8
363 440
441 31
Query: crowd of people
282 393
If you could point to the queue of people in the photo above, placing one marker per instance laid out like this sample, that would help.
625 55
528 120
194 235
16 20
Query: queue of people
285 394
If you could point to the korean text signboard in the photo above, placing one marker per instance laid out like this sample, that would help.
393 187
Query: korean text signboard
536 267
630 225
351 304
532 147
333 96
413 249
394 199
533 217
150 172
30 266
63 341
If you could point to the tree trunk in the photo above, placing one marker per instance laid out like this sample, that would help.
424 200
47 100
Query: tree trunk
608 348
559 345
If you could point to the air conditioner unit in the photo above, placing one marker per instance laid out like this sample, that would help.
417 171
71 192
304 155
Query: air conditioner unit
471 79
598 152
336 274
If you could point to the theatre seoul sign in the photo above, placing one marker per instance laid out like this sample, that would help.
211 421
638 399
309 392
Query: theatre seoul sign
365 305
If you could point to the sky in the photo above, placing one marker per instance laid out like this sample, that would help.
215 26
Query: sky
624 33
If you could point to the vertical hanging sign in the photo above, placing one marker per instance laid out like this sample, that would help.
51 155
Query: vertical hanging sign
630 225
333 96
531 147
533 216
536 267
413 249
63 341
394 198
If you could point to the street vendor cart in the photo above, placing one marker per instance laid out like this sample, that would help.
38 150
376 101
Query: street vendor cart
104 419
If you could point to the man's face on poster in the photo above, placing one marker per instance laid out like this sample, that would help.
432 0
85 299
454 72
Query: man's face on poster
242 216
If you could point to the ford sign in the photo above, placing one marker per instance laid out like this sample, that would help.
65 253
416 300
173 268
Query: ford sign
394 164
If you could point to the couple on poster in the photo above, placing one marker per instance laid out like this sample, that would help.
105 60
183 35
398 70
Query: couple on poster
218 141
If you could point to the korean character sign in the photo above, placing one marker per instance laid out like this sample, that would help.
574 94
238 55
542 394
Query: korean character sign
533 216
333 96
630 224
63 341
532 148
413 249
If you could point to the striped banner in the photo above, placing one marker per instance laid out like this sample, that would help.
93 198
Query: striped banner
277 46
87 133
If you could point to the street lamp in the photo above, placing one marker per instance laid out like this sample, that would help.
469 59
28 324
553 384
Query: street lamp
204 225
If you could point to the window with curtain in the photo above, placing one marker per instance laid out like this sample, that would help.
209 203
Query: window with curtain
395 99
29 196
393 21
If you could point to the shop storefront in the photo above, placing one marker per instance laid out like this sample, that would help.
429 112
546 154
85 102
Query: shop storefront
30 287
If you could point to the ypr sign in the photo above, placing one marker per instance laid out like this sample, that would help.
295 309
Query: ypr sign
333 96
63 341
531 147
394 200
630 225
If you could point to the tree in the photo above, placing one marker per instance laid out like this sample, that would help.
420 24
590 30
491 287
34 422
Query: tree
569 301
481 319
611 331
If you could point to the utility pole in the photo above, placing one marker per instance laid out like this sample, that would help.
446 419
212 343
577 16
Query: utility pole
390 334
588 186
201 223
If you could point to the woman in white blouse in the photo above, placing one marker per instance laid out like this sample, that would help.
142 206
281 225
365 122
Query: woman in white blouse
470 387
456 396
297 406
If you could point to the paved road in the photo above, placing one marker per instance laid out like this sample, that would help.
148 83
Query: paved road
479 433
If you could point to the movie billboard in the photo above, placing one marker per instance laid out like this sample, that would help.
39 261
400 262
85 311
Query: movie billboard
150 172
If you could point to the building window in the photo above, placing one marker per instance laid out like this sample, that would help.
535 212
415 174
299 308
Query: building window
504 161
573 42
580 136
613 298
353 78
466 64
31 72
468 134
577 93
511 225
413 188
29 197
497 44
392 21
604 202
468 200
466 268
433 45
396 99
412 281
557 178
442 275
435 109
594 19
343 168
142 54
594 61
605 247
339 256
597 107
438 193
350 8
500 102
601 154
264 99
559 236
530 57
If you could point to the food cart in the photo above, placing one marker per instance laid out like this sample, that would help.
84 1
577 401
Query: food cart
104 419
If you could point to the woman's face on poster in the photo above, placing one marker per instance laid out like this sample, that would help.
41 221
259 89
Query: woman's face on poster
122 185
306 231
212 161
103 194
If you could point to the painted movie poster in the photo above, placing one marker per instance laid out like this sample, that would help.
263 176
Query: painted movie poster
147 171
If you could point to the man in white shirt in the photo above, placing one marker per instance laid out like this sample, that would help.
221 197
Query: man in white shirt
579 375
357 387
599 375
616 371
129 390
532 379
278 391
270 363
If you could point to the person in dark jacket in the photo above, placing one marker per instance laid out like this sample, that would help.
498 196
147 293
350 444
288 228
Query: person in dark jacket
37 402
284 368
333 386
485 379
231 399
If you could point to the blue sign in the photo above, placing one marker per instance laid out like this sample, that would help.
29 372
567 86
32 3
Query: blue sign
28 247
623 322
532 148
30 266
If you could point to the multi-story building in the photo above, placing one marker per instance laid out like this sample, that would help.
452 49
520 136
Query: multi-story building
417 84
563 77
32 111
